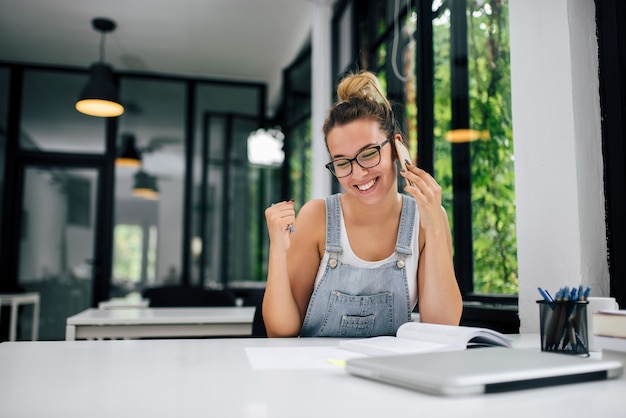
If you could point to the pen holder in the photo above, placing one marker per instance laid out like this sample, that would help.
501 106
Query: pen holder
563 326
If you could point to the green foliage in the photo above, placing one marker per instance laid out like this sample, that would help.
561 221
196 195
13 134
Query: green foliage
300 163
493 191
127 246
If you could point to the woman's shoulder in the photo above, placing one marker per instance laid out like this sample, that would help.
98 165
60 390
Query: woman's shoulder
310 224
313 209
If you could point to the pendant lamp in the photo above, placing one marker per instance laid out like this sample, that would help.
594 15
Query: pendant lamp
465 135
145 186
99 97
129 155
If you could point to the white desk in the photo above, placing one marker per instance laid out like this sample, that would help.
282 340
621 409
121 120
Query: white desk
214 377
15 300
160 322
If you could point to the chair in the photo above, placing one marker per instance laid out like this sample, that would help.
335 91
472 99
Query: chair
258 325
178 296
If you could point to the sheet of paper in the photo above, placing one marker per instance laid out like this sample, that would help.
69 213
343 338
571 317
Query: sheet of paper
295 358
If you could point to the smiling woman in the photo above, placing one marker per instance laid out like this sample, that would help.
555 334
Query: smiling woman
359 259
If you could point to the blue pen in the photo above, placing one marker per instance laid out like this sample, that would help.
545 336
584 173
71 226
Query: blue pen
546 296
292 229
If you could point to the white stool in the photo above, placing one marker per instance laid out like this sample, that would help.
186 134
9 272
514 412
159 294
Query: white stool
15 300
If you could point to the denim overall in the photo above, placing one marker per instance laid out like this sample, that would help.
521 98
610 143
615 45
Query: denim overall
360 302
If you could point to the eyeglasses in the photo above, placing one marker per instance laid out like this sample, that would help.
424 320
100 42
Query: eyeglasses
368 158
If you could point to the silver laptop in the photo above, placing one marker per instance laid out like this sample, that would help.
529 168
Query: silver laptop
482 370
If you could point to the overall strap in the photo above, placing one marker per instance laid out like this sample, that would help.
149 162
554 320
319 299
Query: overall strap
333 228
405 231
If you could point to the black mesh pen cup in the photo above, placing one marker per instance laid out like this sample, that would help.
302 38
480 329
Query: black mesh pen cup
563 326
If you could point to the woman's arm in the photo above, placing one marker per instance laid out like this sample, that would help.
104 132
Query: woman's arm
293 262
439 296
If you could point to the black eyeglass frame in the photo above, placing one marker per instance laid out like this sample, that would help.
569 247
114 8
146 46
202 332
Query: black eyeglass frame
330 166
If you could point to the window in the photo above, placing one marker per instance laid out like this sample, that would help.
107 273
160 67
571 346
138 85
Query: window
155 119
297 127
127 253
445 65
134 255
482 168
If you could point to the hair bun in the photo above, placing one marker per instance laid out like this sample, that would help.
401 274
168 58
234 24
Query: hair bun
363 85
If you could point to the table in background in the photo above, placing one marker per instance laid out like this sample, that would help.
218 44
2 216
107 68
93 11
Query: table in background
215 377
15 300
127 302
160 323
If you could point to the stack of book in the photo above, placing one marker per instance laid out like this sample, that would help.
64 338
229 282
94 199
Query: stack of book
609 333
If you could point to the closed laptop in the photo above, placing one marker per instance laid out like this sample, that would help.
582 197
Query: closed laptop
482 370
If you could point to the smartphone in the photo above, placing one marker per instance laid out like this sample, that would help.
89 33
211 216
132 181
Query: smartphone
403 156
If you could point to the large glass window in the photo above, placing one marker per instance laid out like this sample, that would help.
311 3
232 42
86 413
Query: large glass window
492 157
464 121
57 243
148 220
489 135
4 107
297 121
127 252
49 120
227 192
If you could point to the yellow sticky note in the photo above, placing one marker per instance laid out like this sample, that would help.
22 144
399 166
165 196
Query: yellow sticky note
340 363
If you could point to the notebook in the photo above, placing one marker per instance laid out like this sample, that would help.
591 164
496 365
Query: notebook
482 370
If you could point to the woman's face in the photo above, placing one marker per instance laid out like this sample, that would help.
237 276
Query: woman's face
346 141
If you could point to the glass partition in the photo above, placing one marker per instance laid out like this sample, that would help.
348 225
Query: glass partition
226 224
50 121
4 107
57 243
148 226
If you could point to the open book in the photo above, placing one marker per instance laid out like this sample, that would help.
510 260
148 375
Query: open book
418 337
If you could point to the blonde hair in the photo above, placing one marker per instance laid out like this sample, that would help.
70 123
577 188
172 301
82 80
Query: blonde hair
363 85
360 96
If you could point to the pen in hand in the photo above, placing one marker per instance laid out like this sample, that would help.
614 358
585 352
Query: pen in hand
288 227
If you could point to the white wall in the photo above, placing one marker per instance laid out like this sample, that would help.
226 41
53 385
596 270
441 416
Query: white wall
558 161
46 211
321 87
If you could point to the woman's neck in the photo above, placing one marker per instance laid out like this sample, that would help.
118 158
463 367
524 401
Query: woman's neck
362 213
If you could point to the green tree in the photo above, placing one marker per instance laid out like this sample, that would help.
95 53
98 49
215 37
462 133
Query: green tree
492 158
127 245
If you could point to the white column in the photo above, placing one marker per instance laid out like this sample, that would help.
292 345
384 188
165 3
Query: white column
321 84
588 135
558 164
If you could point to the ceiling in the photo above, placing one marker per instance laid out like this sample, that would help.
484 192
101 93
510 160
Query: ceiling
248 40
240 40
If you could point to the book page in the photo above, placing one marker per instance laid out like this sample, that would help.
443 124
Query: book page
452 334
443 334
419 337
387 345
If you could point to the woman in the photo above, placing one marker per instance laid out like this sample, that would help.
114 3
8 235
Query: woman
355 264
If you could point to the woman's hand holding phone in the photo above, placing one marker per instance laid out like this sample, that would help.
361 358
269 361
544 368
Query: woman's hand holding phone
403 156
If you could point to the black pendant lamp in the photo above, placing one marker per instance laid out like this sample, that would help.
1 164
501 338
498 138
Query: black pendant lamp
129 155
145 186
99 97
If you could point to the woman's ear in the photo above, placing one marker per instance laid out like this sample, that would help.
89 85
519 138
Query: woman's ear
394 151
